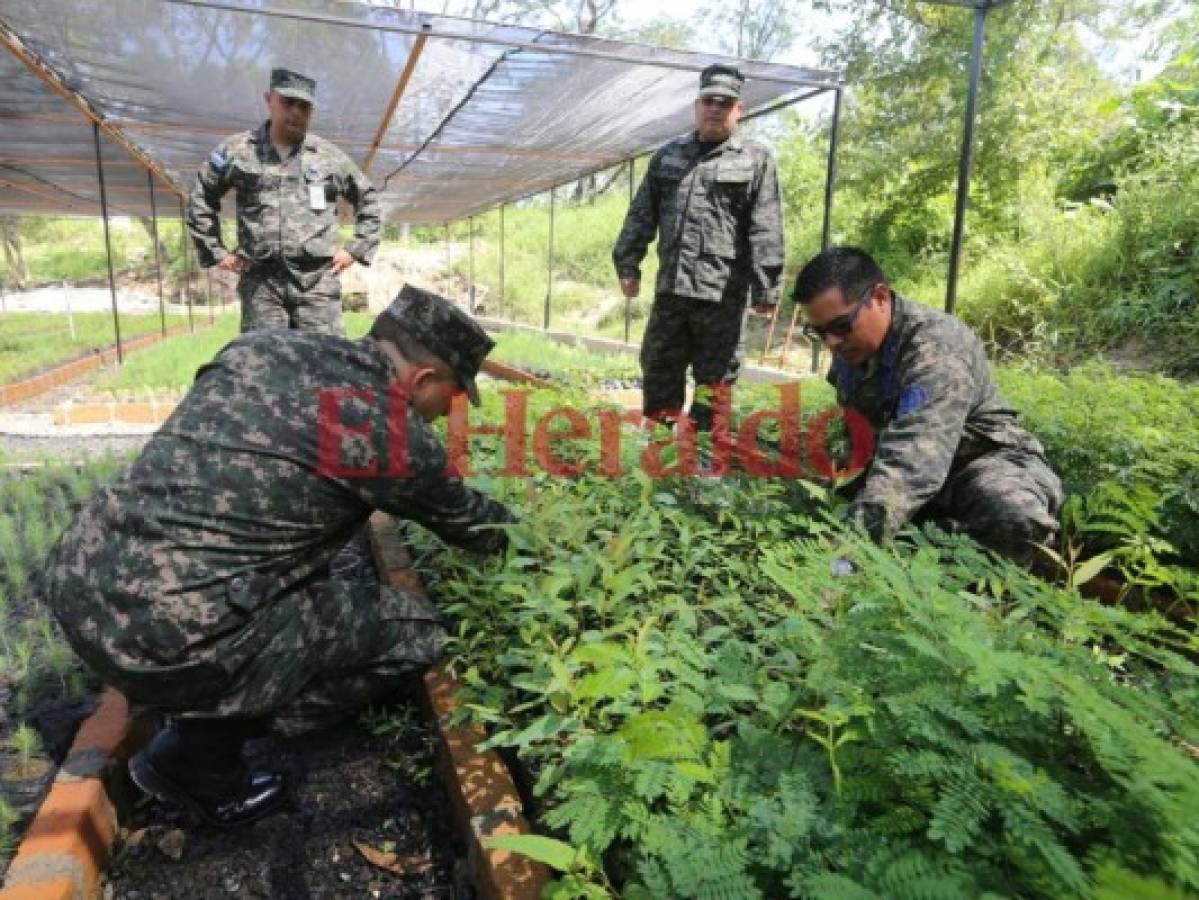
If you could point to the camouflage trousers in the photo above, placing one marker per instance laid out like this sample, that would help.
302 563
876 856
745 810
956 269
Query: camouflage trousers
1007 500
273 301
684 332
301 662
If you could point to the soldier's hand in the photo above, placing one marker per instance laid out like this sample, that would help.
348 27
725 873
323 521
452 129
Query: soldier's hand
231 262
341 261
630 287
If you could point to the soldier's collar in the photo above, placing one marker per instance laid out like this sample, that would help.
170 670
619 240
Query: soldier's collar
733 143
887 353
262 136
899 313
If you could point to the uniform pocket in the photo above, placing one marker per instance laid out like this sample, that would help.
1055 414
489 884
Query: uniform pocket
734 176
718 245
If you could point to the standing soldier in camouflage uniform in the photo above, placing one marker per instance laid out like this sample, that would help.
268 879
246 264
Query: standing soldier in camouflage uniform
712 198
948 446
288 183
199 582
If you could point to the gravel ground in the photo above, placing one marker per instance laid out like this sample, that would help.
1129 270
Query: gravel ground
22 449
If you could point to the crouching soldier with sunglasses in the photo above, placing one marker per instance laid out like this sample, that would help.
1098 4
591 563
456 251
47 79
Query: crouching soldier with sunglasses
948 446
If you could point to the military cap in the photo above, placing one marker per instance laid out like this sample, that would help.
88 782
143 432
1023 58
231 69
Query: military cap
445 331
720 80
287 83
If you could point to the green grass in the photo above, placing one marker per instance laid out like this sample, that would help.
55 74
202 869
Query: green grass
168 368
30 342
585 296
576 364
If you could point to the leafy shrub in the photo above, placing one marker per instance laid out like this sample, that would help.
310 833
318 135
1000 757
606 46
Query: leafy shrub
712 713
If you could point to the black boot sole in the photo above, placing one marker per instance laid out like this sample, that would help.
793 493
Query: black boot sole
153 782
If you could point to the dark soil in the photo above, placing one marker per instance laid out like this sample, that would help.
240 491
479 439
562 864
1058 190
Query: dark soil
371 783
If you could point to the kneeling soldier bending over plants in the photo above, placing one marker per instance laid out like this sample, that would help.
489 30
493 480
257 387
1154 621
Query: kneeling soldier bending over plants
199 583
948 446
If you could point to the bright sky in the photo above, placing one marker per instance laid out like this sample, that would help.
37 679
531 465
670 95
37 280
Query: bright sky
1124 60
814 24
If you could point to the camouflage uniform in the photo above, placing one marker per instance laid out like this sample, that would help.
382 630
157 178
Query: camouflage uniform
948 445
199 582
288 244
719 221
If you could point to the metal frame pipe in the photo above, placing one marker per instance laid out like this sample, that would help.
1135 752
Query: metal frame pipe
628 301
162 308
470 224
831 173
112 280
187 268
549 279
966 162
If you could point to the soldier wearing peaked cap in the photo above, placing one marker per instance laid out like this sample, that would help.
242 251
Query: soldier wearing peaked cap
712 199
288 183
204 583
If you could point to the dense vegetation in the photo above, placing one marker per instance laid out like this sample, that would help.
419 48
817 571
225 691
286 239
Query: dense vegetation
686 677
680 667
35 662
30 342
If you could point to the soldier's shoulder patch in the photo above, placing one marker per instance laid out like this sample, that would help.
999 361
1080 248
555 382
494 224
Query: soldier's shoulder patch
218 159
911 398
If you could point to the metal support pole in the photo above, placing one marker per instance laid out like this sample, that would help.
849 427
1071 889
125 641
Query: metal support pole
628 301
449 258
501 257
162 309
112 281
211 313
831 175
66 295
470 224
967 160
187 268
549 273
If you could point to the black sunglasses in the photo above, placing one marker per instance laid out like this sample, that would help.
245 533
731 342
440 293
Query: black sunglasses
842 325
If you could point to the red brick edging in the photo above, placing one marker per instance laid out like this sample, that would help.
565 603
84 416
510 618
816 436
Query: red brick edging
66 846
28 388
484 796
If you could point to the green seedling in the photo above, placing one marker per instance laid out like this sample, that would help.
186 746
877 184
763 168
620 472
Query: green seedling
27 745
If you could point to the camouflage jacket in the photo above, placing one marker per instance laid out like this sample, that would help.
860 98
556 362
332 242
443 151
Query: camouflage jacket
278 227
230 507
929 396
719 221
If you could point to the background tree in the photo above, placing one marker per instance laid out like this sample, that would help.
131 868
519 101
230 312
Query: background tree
14 258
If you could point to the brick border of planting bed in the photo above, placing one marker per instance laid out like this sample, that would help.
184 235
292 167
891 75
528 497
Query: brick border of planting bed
484 796
66 846
64 373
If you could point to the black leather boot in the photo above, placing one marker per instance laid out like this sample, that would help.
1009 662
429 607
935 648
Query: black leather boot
198 764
